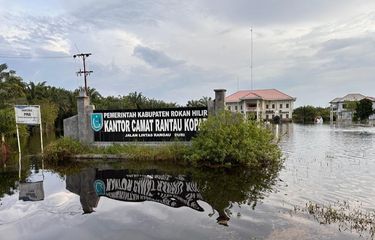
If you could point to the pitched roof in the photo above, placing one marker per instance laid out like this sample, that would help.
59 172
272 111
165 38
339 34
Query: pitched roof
335 100
264 94
351 97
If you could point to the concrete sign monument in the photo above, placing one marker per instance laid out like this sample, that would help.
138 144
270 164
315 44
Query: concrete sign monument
142 125
147 125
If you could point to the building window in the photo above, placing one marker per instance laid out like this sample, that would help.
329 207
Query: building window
287 105
281 105
235 108
229 108
287 116
266 116
266 106
344 106
273 106
241 106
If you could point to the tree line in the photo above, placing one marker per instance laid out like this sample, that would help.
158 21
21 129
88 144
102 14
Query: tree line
308 114
58 103
361 110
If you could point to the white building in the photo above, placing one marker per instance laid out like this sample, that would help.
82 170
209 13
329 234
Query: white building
261 104
340 110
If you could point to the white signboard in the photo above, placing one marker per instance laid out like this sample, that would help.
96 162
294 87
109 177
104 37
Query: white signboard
27 114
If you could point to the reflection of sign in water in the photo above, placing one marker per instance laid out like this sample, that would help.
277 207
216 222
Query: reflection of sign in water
96 121
29 115
32 191
169 190
147 125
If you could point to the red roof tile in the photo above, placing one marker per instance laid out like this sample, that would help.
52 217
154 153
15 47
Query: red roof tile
265 94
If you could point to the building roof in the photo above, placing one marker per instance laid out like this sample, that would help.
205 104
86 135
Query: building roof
351 97
264 94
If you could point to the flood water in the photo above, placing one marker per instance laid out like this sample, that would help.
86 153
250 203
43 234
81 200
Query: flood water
324 165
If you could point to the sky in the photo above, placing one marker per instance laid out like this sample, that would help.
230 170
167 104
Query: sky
314 50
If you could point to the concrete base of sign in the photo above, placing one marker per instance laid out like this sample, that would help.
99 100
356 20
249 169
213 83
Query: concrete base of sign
78 127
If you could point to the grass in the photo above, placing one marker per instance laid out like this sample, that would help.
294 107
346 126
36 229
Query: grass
63 150
348 217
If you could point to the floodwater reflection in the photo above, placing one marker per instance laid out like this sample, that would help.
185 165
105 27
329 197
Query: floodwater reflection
324 165
220 188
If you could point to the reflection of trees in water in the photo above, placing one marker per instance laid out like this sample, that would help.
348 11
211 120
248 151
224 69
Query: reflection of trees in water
8 182
218 187
223 187
9 175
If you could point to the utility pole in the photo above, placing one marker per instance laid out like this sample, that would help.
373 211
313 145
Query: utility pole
84 72
251 59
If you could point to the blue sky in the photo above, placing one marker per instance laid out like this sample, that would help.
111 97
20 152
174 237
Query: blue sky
181 50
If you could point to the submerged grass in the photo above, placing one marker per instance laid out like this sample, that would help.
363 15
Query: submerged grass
348 217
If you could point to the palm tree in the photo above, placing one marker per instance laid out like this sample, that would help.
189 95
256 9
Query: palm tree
36 91
137 100
203 102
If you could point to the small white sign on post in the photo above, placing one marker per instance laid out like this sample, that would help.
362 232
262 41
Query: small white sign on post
28 115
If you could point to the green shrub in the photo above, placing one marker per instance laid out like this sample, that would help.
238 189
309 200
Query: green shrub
61 150
229 139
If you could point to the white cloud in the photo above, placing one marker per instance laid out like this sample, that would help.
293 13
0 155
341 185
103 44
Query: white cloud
178 51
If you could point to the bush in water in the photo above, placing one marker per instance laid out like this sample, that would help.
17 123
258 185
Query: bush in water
229 139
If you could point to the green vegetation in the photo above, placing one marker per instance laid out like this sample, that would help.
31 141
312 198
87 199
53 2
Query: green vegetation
229 139
364 109
307 114
203 102
225 139
64 149
8 124
8 182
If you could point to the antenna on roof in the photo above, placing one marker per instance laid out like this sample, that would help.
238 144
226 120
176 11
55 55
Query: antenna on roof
251 58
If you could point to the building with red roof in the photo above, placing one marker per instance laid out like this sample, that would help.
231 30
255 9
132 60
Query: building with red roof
264 104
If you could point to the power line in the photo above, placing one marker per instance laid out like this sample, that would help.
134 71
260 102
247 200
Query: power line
33 57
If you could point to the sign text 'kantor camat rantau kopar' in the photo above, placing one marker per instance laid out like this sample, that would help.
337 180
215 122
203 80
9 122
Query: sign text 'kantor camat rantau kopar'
147 125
